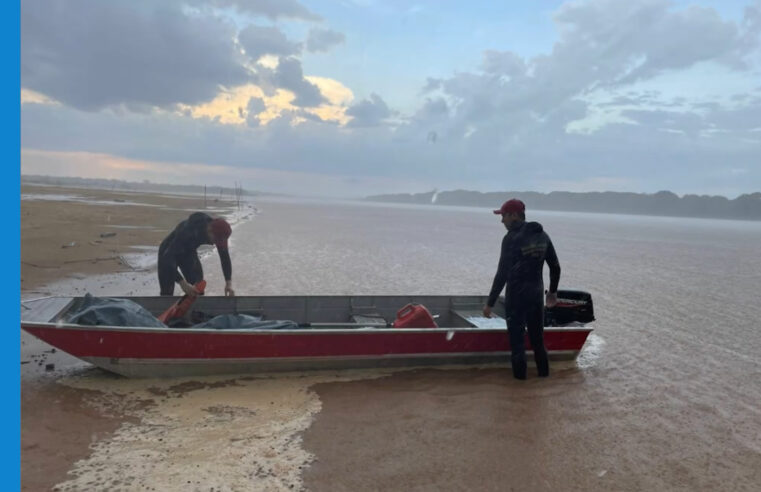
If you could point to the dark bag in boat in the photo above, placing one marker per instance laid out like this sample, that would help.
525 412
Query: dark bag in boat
574 306
111 312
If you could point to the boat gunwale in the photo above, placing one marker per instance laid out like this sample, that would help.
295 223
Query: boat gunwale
302 331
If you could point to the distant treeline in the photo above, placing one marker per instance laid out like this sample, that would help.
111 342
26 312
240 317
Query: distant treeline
665 203
120 185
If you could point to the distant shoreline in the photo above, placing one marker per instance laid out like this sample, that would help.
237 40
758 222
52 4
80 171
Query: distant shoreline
661 204
123 186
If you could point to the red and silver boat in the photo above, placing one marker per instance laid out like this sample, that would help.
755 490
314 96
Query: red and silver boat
331 332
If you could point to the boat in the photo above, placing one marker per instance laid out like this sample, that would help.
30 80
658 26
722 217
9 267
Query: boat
328 332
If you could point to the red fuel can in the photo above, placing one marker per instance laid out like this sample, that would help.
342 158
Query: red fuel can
414 316
178 309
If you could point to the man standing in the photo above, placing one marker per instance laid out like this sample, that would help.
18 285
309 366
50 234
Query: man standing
178 250
525 248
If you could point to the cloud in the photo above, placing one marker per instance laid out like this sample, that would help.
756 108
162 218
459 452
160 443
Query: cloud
338 97
290 75
368 112
503 63
139 54
619 43
31 97
614 103
91 54
255 106
230 107
603 46
261 40
431 84
491 158
434 109
689 124
323 39
273 9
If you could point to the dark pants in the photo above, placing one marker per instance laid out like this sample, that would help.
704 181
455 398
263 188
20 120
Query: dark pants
531 316
189 265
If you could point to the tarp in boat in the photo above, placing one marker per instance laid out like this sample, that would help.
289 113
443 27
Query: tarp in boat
123 312
112 312
233 321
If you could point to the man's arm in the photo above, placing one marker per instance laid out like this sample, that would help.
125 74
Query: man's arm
227 266
551 258
500 278
227 270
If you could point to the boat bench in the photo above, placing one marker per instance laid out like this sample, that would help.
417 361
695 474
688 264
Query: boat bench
474 317
369 319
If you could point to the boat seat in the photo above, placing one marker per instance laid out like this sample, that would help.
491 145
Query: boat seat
369 319
475 318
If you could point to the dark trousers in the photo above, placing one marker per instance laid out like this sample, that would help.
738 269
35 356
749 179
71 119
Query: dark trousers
520 317
189 265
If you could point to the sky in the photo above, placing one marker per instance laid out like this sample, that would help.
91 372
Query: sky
350 98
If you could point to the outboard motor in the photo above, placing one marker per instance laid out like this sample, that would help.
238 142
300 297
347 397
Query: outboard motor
573 306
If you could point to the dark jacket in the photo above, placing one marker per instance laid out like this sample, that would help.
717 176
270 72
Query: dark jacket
187 237
525 248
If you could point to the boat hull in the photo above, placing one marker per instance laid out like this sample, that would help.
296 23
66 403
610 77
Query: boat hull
151 352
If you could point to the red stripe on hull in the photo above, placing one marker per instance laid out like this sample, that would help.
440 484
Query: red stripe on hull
312 343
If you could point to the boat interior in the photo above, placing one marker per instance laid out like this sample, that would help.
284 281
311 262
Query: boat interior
307 311
333 311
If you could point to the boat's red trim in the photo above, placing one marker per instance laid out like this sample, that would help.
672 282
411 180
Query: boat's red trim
114 343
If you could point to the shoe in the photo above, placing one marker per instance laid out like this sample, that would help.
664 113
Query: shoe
519 369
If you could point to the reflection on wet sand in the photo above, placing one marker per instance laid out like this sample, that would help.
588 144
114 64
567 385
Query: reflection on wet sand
222 433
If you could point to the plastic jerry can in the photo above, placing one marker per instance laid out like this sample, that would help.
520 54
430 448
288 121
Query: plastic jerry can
414 316
178 309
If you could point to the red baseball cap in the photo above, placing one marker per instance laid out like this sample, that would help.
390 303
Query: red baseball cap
512 206
221 230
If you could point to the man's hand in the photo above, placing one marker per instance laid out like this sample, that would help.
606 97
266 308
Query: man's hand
188 289
229 292
551 299
487 311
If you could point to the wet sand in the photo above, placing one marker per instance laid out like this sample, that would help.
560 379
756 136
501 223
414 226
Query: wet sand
58 427
58 423
63 229
483 430
224 433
